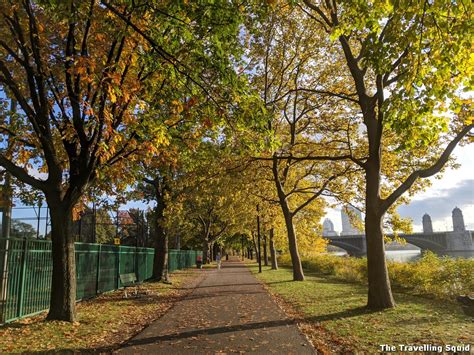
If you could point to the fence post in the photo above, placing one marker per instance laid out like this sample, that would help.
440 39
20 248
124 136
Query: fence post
118 267
97 279
22 278
146 265
135 259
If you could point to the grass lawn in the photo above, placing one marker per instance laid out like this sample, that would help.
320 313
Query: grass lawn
104 322
337 308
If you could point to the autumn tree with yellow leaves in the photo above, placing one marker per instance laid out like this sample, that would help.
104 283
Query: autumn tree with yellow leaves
408 64
308 134
87 77
75 74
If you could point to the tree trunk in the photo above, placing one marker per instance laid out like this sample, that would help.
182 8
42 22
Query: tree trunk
160 237
265 254
160 262
206 246
4 242
298 274
380 293
256 248
273 252
215 251
63 285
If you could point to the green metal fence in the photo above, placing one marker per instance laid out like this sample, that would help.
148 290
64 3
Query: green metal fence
26 269
182 259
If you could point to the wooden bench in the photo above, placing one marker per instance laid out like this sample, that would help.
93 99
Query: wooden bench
130 280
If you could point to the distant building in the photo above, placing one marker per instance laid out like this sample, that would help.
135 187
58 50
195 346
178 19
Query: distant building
427 224
347 227
458 221
328 228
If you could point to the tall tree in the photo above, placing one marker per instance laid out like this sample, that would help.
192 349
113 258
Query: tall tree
87 77
204 51
75 73
305 159
164 175
408 63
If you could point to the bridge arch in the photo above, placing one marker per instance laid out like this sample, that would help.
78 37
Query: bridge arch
356 244
349 248
423 243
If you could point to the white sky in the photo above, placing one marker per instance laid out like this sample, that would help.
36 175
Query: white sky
454 189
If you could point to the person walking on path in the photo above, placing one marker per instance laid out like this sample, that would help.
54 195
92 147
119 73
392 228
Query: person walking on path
227 312
218 260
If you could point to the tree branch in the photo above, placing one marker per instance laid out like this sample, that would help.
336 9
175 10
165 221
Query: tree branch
424 173
16 138
21 174
320 92
168 57
315 196
305 158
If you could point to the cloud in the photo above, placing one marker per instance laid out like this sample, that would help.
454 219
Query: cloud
439 202
440 206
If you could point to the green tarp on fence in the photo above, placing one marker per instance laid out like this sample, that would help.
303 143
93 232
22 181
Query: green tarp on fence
27 269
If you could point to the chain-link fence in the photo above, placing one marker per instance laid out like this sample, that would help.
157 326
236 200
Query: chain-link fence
91 225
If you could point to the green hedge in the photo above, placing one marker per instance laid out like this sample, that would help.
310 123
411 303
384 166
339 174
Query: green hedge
439 277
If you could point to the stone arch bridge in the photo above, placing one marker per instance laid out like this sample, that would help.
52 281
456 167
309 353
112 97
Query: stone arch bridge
457 243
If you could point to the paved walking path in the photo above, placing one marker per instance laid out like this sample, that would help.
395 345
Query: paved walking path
228 312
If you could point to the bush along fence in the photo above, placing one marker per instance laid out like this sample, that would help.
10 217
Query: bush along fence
26 268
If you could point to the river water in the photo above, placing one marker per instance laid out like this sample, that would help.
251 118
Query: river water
394 255
403 255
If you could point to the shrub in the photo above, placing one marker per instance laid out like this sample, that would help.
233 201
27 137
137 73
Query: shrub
439 277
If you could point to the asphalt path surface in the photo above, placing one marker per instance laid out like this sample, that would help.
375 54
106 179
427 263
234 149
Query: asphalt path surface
229 311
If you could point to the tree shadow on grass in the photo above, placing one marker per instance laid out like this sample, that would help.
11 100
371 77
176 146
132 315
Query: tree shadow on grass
131 298
279 282
348 313
19 325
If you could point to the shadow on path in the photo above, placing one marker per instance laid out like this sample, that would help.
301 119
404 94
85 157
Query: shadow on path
229 285
241 327
209 331
229 311
221 294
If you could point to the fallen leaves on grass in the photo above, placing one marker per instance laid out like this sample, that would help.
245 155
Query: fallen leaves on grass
104 323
